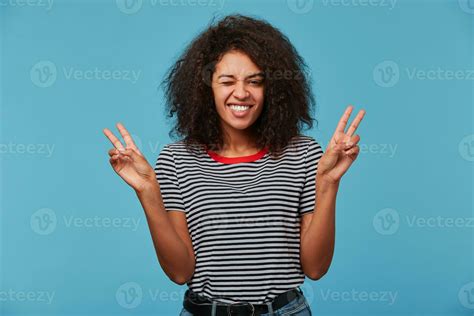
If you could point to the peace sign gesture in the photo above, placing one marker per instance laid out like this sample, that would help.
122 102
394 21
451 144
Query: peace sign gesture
128 162
342 149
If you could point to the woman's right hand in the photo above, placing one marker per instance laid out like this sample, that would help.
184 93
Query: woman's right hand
128 162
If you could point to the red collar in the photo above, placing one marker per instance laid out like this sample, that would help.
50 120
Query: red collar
231 160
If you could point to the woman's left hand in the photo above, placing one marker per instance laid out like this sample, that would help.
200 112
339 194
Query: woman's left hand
342 149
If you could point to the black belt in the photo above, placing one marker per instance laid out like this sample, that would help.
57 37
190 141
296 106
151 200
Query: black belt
200 305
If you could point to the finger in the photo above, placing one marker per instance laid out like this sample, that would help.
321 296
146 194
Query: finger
352 152
337 148
128 153
343 120
122 157
114 140
353 140
355 154
355 123
126 137
114 159
113 151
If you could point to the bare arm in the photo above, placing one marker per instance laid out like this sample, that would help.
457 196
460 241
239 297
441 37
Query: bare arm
168 228
318 229
169 234
318 232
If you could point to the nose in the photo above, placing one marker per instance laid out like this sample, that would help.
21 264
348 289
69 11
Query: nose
240 92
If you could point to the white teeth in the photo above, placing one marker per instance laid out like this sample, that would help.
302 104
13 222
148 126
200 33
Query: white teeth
239 107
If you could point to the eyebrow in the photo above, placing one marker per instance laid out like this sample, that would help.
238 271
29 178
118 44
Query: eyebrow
257 74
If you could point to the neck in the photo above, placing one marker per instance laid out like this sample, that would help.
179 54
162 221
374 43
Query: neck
239 141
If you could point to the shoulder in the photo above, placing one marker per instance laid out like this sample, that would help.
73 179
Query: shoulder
309 148
304 142
179 149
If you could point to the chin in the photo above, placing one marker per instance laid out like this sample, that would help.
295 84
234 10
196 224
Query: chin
240 126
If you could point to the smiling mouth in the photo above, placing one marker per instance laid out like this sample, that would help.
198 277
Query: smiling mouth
239 105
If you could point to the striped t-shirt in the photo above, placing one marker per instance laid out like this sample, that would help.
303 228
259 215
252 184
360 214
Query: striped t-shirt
243 215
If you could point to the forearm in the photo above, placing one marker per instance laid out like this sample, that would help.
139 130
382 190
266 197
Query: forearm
171 251
317 243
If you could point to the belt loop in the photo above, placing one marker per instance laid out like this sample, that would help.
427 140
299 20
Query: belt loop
300 290
270 308
302 297
214 308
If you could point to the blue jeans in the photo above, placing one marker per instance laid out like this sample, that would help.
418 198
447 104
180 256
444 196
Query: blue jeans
299 306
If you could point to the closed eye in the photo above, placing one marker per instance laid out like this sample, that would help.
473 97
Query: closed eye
256 82
227 83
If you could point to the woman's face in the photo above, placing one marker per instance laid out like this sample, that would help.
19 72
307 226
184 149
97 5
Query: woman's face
237 81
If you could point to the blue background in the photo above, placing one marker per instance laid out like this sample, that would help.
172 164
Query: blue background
396 206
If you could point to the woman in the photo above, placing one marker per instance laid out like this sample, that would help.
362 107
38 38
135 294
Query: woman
232 206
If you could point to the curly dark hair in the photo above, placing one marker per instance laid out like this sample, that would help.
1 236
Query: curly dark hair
288 99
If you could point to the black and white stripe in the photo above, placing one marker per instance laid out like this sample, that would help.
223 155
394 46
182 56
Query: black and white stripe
243 218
